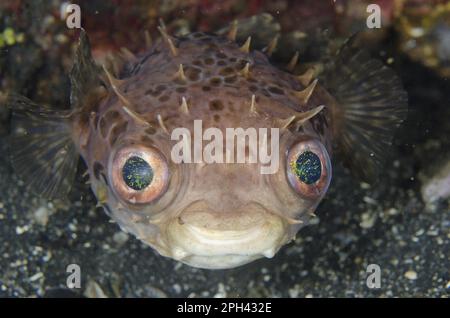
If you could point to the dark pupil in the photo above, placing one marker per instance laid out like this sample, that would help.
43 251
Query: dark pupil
308 167
137 173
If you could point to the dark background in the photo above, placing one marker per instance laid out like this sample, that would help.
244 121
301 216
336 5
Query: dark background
390 223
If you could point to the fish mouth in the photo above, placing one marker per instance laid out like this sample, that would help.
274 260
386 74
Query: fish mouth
219 240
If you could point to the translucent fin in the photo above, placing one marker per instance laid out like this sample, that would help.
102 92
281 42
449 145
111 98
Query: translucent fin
43 153
84 76
261 28
371 105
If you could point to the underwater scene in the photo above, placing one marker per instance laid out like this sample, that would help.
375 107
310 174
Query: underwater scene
226 149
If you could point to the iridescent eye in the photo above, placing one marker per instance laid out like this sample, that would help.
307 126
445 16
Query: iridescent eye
139 174
309 168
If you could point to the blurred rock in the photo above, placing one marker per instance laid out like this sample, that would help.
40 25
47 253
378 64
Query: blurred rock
120 238
424 33
41 215
436 186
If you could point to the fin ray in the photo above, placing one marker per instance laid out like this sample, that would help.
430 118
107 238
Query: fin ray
42 150
371 104
84 76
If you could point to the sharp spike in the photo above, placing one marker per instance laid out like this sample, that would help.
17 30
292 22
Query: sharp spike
114 83
301 118
272 45
172 46
306 77
102 195
246 47
284 123
128 55
233 31
85 174
184 106
245 71
180 73
114 62
169 41
305 94
293 62
294 221
253 105
135 116
148 39
161 124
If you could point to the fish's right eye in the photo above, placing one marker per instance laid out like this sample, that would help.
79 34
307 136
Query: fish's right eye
139 174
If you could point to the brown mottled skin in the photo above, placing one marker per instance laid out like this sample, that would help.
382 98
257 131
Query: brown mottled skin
219 197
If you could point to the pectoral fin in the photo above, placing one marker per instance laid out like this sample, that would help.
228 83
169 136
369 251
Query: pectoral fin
371 105
42 150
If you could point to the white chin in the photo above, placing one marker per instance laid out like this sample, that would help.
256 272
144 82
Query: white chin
219 261
220 249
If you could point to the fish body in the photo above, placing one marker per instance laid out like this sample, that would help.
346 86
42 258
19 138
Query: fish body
209 214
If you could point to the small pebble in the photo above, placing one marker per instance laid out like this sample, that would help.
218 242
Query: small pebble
21 229
294 292
221 292
120 238
41 215
411 275
367 221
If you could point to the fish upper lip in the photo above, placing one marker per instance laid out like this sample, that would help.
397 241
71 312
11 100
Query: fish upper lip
201 215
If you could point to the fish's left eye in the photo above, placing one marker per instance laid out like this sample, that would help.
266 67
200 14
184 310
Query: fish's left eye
139 174
309 168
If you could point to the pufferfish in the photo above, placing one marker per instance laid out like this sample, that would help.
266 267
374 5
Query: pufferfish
208 215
